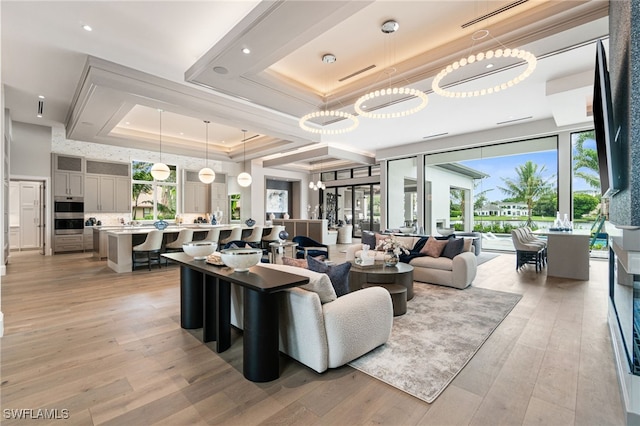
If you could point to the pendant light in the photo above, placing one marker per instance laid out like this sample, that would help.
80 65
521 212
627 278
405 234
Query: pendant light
244 178
390 93
206 175
160 171
319 184
328 58
519 55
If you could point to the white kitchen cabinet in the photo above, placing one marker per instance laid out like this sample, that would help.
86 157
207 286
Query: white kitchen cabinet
68 176
63 243
195 194
87 238
68 184
196 198
108 187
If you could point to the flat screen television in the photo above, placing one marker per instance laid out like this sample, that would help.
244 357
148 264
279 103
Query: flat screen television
610 170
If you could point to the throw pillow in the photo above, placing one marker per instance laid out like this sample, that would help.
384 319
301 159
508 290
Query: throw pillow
300 263
369 238
419 245
433 247
468 244
379 239
453 248
318 283
338 274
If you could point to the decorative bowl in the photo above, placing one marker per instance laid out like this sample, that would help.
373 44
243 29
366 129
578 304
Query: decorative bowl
283 235
199 250
445 232
406 229
241 259
250 222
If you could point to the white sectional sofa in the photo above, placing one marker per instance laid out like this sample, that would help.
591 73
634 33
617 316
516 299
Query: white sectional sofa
321 330
458 272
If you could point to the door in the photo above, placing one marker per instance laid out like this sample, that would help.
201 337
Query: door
30 215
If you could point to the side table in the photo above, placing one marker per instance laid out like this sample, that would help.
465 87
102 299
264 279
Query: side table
275 246
398 296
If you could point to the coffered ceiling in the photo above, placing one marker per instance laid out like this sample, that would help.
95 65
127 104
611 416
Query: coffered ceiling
187 58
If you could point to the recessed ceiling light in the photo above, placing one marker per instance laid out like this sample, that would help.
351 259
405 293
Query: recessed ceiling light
87 27
246 50
127 123
489 66
40 97
181 133
39 115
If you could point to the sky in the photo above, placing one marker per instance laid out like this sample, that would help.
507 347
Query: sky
499 167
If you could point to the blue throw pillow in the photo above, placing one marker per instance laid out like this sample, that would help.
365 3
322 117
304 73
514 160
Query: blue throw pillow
453 248
369 237
338 274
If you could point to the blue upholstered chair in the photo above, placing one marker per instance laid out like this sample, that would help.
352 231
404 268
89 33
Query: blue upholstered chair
308 247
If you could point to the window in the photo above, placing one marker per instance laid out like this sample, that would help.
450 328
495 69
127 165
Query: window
151 199
493 189
587 208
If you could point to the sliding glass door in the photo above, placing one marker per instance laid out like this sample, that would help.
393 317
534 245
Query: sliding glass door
358 205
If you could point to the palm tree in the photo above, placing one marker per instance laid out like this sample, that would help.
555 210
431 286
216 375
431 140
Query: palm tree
529 186
587 159
141 172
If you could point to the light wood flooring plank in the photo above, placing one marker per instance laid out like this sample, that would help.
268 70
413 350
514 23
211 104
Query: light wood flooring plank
109 348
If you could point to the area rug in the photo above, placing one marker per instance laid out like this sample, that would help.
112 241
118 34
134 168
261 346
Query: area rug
484 257
441 331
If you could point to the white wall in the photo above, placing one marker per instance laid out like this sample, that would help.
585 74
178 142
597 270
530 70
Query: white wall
441 183
256 192
398 171
30 150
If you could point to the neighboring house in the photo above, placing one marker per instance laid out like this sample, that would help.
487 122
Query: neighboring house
503 209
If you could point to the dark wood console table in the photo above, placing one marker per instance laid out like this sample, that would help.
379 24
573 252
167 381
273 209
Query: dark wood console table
205 302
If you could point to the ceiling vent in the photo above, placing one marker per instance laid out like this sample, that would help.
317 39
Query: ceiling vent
370 67
494 13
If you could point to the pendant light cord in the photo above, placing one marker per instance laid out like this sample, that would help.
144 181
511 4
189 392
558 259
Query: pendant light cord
206 146
244 150
160 136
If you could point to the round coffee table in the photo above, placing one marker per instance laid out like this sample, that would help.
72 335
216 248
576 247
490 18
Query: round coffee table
379 274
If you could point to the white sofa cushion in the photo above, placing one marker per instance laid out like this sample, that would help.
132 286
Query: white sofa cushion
318 283
442 263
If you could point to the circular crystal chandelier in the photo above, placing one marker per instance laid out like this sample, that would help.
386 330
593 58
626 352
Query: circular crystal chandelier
483 56
328 58
390 27
321 130
389 92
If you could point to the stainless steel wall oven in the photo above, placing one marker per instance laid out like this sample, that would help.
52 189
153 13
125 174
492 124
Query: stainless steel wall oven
68 216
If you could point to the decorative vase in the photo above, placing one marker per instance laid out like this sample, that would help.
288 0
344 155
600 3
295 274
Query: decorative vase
214 221
286 216
390 258
272 216
160 224
283 235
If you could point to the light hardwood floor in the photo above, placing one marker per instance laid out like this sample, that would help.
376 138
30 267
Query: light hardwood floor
109 349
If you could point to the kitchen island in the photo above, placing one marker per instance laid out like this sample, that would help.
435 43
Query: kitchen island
121 240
